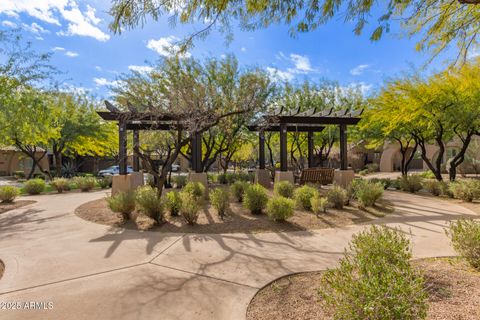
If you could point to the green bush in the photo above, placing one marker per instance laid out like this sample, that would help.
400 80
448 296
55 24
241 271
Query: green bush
411 183
189 207
149 203
433 186
34 186
85 184
387 183
255 198
465 189
19 174
105 182
8 193
372 167
465 236
319 204
122 202
369 193
303 195
445 189
180 181
173 203
284 189
427 174
375 279
363 172
354 186
238 189
280 208
196 189
220 198
60 184
337 196
222 178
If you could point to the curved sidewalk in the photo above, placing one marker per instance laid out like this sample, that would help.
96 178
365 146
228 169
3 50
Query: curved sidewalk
90 271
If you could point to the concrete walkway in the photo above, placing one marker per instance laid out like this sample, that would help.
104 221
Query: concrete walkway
90 271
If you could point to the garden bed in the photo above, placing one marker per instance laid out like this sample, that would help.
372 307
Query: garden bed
452 285
239 219
4 207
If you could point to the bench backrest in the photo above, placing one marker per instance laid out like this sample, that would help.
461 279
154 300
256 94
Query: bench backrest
317 175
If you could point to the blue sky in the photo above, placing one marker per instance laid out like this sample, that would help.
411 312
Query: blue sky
91 57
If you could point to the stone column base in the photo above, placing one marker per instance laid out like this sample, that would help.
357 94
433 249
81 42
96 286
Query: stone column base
126 183
199 177
284 176
343 178
263 178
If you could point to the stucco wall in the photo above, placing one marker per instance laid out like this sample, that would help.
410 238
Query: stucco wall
11 161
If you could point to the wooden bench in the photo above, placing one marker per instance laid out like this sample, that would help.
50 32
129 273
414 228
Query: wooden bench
323 176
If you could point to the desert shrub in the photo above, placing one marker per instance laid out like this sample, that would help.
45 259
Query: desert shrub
387 183
60 184
337 196
220 199
238 189
284 189
319 204
372 167
363 172
255 198
173 203
180 181
354 186
149 203
375 279
427 174
411 183
105 182
145 222
222 178
34 186
85 184
19 174
465 237
189 207
122 202
445 189
303 195
280 208
369 193
465 189
433 186
196 189
8 193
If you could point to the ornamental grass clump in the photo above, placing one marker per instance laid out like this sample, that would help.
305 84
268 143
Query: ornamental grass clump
220 199
465 189
303 195
238 189
354 186
433 186
319 204
411 183
370 193
255 198
122 202
105 182
196 189
189 207
34 186
180 181
60 184
280 208
149 203
85 184
173 203
375 279
284 189
337 196
465 237
8 194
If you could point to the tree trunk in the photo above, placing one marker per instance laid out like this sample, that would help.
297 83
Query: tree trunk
460 157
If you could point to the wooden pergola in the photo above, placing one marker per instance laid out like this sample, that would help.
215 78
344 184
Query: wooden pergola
309 121
135 121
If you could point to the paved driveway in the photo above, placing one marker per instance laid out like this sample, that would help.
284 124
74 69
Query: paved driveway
90 271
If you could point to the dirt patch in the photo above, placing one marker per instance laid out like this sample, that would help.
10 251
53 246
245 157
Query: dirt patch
453 287
238 219
2 269
4 207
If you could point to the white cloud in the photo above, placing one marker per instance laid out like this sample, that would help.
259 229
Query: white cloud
34 28
52 11
166 46
279 75
243 49
362 86
302 63
98 68
473 53
58 49
71 54
9 24
358 70
100 82
141 69
39 38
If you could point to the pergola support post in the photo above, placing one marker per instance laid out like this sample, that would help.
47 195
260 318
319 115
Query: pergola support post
197 174
261 150
262 175
122 146
343 147
136 146
283 147
310 149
